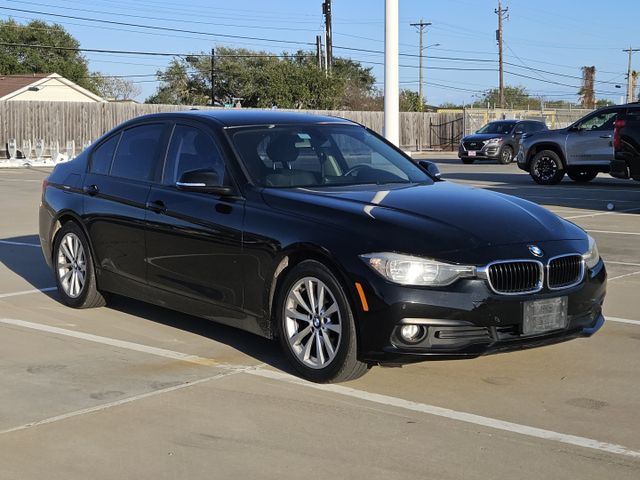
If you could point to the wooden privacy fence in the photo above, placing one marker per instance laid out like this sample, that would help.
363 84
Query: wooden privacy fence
60 123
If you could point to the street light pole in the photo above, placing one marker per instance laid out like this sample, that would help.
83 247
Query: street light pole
213 66
391 73
421 26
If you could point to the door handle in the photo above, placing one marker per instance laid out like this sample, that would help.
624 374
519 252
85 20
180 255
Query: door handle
605 136
91 190
157 206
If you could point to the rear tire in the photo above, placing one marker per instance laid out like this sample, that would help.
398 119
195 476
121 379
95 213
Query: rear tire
547 168
506 155
583 175
316 325
74 269
467 160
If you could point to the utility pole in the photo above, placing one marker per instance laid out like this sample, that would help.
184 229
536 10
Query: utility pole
421 26
630 74
326 10
502 14
319 51
391 73
213 78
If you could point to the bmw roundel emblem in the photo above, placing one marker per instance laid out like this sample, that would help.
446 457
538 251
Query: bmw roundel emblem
536 251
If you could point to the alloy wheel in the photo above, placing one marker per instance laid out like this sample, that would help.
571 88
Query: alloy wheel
71 265
313 323
546 168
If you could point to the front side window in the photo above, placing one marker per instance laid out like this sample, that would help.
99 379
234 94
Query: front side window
192 149
103 155
319 155
600 121
138 152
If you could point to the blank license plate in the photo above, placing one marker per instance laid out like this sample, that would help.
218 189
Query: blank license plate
472 153
542 316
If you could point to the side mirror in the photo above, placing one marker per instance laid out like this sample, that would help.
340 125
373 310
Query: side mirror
431 169
204 181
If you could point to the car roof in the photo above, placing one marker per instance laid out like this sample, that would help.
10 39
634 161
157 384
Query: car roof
245 117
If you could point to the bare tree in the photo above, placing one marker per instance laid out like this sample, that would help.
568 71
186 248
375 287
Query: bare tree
587 92
114 88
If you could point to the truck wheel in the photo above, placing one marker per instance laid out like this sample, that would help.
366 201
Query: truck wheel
547 168
582 175
506 155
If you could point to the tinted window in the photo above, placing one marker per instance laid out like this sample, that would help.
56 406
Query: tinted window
313 155
138 152
192 149
599 121
102 156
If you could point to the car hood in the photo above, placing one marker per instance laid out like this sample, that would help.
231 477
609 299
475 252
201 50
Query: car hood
480 137
437 218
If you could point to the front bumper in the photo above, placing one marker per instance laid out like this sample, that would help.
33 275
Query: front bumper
468 320
488 151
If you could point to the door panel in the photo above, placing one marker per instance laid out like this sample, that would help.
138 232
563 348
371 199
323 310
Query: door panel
591 141
194 240
114 212
194 247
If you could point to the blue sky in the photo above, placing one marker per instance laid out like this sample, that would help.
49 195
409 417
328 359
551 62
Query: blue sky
546 40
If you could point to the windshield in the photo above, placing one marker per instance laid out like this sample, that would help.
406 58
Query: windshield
502 128
321 155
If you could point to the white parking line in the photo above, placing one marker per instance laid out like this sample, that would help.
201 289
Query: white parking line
116 403
623 276
136 347
619 212
20 244
27 292
454 414
622 263
614 233
622 320
338 389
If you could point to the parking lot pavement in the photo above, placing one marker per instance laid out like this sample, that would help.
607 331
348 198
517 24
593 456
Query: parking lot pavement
135 390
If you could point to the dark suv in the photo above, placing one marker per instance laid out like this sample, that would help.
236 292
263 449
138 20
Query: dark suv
497 140
626 144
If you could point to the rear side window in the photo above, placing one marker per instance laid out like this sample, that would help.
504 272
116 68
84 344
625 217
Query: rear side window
103 155
138 152
192 149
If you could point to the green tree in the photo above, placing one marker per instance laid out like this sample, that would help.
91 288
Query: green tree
259 79
518 97
26 60
410 101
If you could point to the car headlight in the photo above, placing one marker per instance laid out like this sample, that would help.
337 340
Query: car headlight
493 141
408 270
592 256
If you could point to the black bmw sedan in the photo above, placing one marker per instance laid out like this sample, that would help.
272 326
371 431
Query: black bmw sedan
317 232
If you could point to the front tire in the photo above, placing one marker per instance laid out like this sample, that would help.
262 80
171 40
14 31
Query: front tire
74 269
316 325
506 155
583 175
547 168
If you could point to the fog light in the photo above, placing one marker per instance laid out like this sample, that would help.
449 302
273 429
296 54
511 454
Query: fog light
412 333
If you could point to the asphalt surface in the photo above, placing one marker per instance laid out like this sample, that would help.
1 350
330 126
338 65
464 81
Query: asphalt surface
135 391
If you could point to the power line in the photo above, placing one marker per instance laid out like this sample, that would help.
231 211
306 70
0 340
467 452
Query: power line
157 27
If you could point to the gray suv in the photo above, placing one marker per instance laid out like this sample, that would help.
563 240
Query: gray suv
581 150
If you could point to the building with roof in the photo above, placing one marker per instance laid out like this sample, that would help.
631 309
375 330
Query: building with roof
44 87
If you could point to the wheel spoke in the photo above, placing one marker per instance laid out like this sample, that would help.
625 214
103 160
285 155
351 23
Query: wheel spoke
320 297
298 337
331 310
66 276
333 327
301 301
319 350
312 298
65 251
80 276
297 315
327 344
307 348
